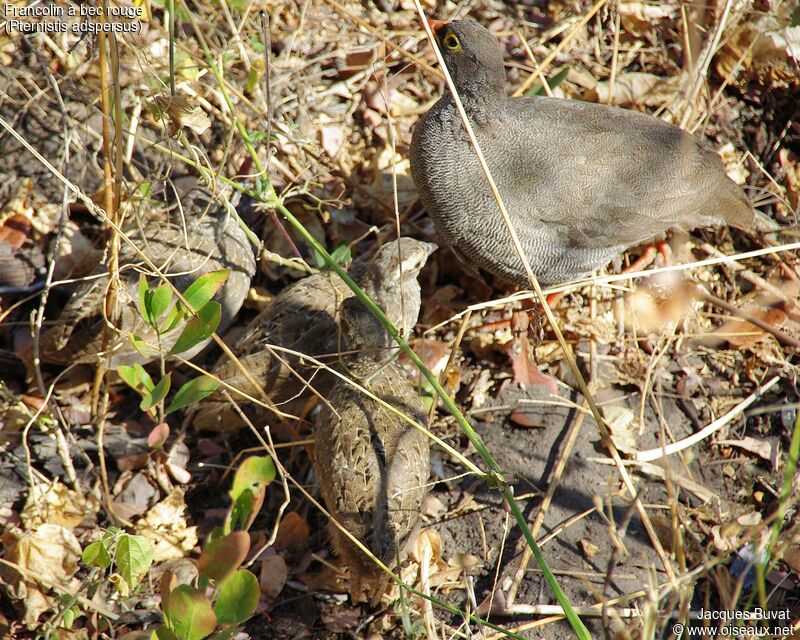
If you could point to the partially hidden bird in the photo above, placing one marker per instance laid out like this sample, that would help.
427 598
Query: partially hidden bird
581 182
189 241
303 320
372 465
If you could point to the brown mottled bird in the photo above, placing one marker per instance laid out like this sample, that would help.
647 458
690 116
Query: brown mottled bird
372 465
207 240
303 319
581 182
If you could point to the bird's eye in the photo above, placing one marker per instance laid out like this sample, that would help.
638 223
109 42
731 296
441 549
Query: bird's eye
451 42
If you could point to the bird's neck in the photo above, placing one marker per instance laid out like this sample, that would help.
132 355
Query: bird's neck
481 105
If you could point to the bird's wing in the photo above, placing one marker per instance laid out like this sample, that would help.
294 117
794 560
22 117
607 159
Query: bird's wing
579 167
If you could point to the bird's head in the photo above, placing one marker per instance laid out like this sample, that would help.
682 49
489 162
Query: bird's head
473 57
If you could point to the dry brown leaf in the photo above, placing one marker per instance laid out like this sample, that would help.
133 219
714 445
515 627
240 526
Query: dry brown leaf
133 494
180 112
272 576
635 89
465 561
741 333
434 353
48 556
57 504
522 419
526 371
762 448
427 544
166 527
765 49
331 139
293 529
588 548
638 18
624 432
77 256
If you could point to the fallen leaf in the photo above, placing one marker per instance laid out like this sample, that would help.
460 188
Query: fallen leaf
741 333
526 371
588 548
623 429
273 574
55 503
293 529
762 448
522 419
634 89
47 555
166 527
331 138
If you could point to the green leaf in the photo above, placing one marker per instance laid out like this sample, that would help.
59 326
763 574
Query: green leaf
190 614
163 633
221 558
142 347
136 377
68 618
199 328
156 394
193 391
241 510
175 316
96 555
133 557
794 21
142 300
257 45
159 302
253 77
201 291
237 598
552 82
341 255
253 472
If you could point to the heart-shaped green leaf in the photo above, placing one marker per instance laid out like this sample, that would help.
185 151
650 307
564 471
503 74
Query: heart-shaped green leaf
237 598
96 555
133 557
191 616
222 557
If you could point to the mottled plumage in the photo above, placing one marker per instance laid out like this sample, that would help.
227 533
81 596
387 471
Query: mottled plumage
209 240
303 318
372 465
581 182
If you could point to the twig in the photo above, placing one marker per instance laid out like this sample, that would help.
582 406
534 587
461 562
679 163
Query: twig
785 339
680 445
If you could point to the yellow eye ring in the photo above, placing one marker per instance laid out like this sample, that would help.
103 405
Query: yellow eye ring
451 42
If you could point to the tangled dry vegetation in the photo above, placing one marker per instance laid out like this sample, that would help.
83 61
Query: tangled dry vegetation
710 370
